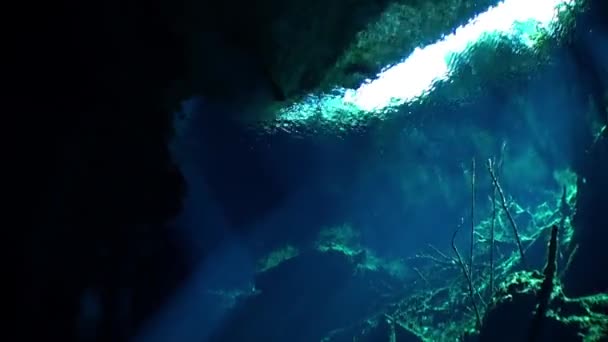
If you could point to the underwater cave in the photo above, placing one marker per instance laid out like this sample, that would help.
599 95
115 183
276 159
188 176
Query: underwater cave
329 171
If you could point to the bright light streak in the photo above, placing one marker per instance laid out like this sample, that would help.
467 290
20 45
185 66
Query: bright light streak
415 76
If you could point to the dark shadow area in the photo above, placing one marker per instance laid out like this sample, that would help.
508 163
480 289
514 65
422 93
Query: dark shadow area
93 175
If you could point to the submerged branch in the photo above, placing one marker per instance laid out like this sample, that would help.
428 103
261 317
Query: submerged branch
503 202
467 276
472 218
492 240
546 288
443 255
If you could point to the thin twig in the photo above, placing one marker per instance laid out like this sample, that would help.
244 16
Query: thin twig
472 218
433 259
570 258
421 276
492 239
466 274
443 255
503 203
501 158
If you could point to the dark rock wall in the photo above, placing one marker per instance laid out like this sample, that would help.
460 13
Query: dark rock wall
586 275
92 170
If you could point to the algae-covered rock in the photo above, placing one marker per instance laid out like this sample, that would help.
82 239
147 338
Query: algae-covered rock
513 309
